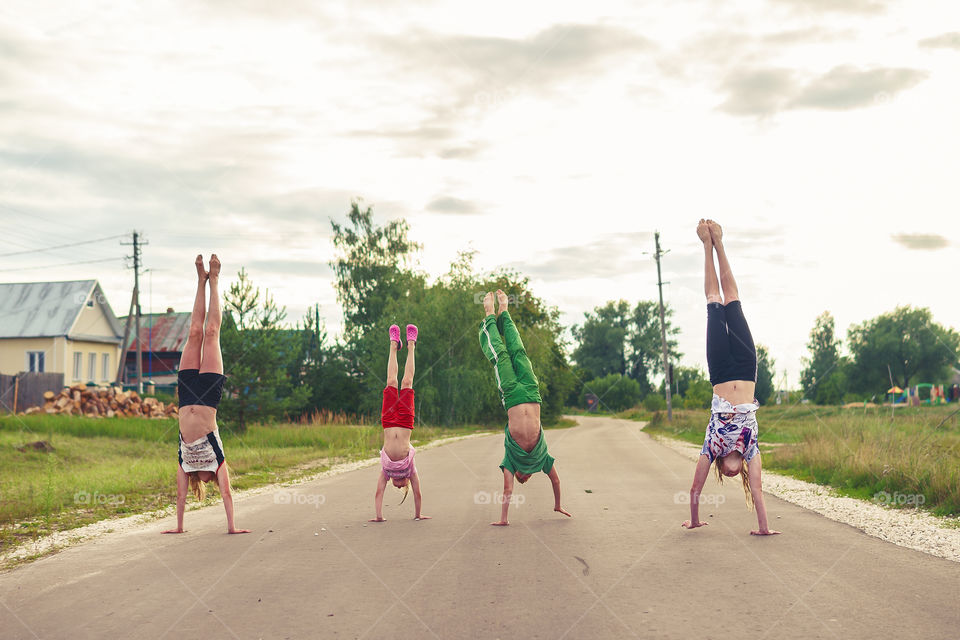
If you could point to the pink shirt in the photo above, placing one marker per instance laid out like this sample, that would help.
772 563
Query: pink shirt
398 468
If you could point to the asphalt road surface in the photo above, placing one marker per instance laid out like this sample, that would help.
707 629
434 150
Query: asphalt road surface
622 567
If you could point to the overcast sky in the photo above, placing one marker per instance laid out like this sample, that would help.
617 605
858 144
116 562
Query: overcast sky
550 137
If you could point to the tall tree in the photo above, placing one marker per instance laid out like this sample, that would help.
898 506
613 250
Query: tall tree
372 266
916 349
822 377
617 339
765 364
602 339
256 356
646 344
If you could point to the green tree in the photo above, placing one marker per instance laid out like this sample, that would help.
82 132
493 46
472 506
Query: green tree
322 368
915 348
822 378
698 395
602 339
646 345
372 266
257 353
615 391
617 339
764 389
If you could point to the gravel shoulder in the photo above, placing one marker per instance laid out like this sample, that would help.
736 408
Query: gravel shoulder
909 528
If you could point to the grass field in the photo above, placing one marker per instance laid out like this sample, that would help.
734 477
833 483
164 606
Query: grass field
100 468
860 452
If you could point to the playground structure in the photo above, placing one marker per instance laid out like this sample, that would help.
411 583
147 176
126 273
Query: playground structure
914 396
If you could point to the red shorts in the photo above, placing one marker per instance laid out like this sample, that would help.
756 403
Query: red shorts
397 408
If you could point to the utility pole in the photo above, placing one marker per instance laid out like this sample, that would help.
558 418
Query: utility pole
663 329
135 304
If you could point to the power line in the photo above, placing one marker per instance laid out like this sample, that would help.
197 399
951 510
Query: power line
60 246
663 327
63 264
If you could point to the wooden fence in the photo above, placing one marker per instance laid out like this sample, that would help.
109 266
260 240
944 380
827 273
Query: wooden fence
26 390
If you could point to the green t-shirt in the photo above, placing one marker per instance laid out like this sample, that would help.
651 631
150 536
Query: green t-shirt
516 459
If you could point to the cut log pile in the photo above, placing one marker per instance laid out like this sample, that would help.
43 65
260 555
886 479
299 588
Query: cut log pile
102 402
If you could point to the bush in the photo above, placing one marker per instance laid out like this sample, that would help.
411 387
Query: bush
654 402
699 395
616 392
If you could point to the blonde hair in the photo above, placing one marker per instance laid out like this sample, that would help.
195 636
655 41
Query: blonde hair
744 477
405 487
198 487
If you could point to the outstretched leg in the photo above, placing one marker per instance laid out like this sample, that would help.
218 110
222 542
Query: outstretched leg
496 352
711 286
410 367
190 357
393 368
211 360
522 366
730 291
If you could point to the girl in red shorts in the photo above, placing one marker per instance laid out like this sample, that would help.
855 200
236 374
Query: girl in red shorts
396 456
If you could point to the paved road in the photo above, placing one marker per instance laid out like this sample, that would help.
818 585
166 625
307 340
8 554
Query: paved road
621 568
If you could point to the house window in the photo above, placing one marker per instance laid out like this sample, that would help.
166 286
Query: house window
77 365
35 361
106 367
92 367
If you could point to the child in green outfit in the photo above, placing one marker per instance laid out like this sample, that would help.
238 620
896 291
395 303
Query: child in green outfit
525 449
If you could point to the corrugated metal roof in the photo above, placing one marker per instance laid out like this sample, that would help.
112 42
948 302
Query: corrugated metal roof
46 309
161 331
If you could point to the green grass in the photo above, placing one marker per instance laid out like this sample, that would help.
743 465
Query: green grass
859 452
101 468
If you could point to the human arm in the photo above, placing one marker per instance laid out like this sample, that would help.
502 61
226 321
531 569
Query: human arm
223 480
754 469
699 478
415 485
555 481
505 498
378 497
183 482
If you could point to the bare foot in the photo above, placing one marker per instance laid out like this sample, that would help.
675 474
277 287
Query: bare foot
703 232
423 518
686 524
488 304
768 532
502 300
214 266
502 523
377 520
716 232
201 272
174 531
239 531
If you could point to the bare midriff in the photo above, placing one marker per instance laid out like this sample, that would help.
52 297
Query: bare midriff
523 420
196 421
736 391
396 442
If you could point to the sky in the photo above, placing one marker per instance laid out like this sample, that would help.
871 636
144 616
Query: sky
554 138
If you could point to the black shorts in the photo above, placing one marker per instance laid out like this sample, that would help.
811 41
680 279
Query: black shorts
731 354
194 387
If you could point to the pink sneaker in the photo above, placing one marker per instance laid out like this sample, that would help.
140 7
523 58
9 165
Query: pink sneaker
395 335
411 333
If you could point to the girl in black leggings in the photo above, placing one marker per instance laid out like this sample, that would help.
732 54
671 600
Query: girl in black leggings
731 438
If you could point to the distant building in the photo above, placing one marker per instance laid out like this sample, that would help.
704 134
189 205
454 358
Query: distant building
60 327
161 340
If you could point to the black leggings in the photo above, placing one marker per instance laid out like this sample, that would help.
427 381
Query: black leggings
731 354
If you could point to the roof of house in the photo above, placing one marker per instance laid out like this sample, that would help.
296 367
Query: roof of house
48 309
161 332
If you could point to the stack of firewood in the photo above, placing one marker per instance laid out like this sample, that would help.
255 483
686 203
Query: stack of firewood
103 402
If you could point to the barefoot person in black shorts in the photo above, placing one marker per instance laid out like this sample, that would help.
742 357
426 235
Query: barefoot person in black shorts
200 387
731 438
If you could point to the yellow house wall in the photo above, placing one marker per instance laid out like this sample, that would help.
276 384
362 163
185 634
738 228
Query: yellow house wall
59 357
